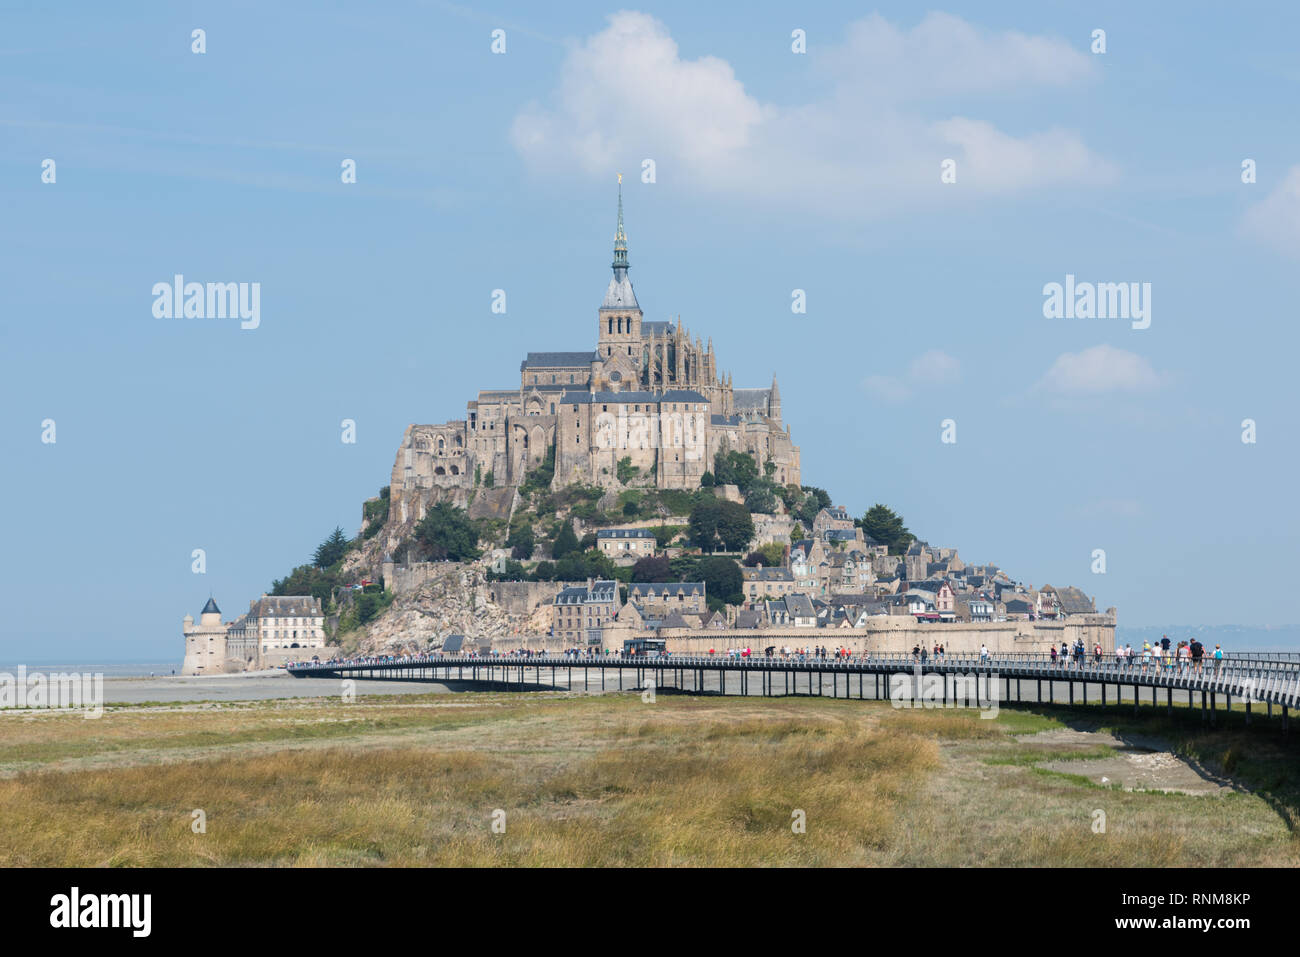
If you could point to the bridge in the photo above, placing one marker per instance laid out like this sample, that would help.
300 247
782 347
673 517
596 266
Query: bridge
1268 679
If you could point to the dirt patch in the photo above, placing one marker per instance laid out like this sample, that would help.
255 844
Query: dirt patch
1141 764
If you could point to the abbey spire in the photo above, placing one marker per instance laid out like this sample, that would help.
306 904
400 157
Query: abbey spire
620 238
619 295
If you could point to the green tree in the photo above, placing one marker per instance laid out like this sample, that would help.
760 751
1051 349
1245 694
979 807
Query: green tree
626 470
446 532
735 468
886 527
565 543
702 526
735 527
307 580
761 498
722 579
652 568
771 555
521 541
718 524
331 550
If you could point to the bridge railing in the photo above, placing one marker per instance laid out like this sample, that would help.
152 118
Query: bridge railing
1253 677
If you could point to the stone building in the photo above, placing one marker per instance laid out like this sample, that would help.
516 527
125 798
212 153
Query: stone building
205 643
647 392
283 623
626 542
583 612
661 599
275 630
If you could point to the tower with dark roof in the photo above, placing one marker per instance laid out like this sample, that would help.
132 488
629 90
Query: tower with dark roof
619 318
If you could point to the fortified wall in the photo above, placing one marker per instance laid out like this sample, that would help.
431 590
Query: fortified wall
899 635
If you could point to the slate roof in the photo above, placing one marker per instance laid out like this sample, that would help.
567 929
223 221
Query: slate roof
558 360
656 328
751 400
644 590
210 608
767 574
619 294
800 606
601 591
624 533
682 395
1075 602
285 606
675 620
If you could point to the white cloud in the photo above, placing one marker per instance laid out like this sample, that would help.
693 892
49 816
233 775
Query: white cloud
870 142
1276 218
1098 370
945 56
933 368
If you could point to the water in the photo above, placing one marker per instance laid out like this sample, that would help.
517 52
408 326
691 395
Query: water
109 669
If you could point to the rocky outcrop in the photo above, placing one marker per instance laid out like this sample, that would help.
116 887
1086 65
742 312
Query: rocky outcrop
454 601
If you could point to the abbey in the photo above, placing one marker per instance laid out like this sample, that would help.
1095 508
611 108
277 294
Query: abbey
648 395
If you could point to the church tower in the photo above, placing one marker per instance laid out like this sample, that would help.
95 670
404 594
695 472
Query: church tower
619 319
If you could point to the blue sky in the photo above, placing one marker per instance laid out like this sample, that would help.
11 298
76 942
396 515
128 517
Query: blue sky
775 171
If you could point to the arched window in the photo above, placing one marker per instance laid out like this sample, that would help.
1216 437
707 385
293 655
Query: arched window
611 326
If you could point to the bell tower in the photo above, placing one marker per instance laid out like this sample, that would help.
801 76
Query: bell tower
619 319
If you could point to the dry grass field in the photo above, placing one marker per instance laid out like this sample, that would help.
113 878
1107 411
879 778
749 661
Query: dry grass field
610 780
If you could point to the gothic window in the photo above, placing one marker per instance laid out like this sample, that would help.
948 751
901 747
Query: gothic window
455 470
611 327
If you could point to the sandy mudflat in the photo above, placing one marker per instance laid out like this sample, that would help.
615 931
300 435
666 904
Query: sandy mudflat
253 686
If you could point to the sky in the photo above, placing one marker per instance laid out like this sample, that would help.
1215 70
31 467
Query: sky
921 175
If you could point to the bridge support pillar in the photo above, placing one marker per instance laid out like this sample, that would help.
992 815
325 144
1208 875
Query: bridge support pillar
1248 711
1135 699
1212 715
1284 716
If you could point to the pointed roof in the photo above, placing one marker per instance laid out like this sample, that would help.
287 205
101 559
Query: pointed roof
210 608
619 295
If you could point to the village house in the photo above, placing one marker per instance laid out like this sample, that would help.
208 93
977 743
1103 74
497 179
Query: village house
582 612
760 582
660 599
626 545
